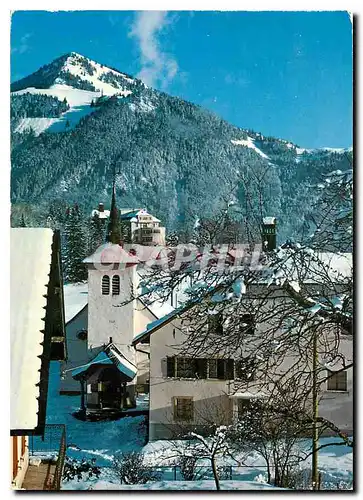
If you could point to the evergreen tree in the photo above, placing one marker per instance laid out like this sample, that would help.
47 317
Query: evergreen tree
113 229
125 232
97 233
22 221
172 239
75 246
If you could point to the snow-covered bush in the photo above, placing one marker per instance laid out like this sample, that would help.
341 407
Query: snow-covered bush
187 465
130 468
80 469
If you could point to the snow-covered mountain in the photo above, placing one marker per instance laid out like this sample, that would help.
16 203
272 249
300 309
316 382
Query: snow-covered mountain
75 119
78 72
77 80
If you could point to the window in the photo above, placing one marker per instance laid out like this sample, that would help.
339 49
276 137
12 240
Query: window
337 381
247 324
200 368
105 285
221 369
82 335
215 324
116 285
246 369
183 409
186 368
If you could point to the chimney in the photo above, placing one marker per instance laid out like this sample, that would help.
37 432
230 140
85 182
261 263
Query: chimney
101 207
268 230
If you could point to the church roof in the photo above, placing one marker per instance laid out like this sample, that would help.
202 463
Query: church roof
111 253
30 266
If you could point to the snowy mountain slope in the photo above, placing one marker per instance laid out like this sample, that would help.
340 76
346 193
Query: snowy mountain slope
78 100
250 143
69 74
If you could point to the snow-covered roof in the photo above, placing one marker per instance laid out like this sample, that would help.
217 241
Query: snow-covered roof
110 355
30 264
269 220
315 267
110 253
133 215
342 263
158 308
75 299
248 395
102 215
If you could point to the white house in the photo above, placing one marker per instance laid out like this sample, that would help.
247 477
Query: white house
188 390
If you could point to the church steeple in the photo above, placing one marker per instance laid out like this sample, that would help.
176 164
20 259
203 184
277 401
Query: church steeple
113 229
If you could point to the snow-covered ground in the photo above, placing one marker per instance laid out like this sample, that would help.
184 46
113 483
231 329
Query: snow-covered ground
100 440
185 485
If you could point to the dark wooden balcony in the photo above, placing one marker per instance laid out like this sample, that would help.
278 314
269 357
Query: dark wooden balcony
51 449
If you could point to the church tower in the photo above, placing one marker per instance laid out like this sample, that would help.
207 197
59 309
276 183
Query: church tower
268 230
111 284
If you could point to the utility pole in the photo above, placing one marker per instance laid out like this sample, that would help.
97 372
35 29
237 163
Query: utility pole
314 466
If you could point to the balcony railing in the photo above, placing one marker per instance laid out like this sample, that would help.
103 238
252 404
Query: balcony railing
50 448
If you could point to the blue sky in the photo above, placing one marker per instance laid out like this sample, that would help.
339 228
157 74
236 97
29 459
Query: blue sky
286 74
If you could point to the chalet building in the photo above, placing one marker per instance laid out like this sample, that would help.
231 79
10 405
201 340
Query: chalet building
142 227
145 229
101 212
37 337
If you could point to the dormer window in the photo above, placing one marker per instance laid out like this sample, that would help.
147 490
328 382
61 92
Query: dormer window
215 324
116 285
105 285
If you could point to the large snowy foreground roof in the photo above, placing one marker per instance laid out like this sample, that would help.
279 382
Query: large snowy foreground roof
30 265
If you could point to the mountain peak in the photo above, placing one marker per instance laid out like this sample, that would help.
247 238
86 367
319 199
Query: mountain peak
79 72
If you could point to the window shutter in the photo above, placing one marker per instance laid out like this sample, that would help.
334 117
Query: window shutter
221 365
201 368
170 366
230 369
105 285
116 285
337 381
